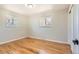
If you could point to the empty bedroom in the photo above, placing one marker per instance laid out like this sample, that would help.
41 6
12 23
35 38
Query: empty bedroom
37 29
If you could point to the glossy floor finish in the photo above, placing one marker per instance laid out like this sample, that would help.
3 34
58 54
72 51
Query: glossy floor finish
34 46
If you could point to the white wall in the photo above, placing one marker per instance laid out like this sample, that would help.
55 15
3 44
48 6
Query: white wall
18 31
58 30
29 26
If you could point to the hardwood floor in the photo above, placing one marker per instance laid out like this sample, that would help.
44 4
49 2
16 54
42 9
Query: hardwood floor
34 46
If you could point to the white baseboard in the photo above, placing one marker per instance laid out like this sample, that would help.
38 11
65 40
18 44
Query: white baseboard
13 40
49 40
33 37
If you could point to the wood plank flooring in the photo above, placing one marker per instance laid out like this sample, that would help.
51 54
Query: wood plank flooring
34 46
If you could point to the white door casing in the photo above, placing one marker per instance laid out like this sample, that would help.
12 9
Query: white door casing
73 28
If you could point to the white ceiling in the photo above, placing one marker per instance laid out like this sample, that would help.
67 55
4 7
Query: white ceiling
21 8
